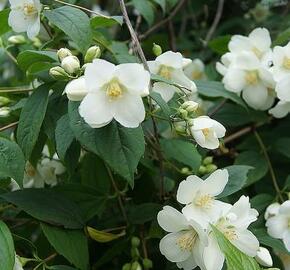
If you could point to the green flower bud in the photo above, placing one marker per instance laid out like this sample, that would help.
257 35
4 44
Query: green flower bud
190 106
185 170
135 253
71 64
207 161
63 53
4 101
183 113
135 241
17 39
58 73
36 42
147 263
202 170
157 50
92 53
136 266
126 266
211 168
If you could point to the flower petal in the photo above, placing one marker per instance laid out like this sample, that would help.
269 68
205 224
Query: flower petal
181 79
260 38
234 80
246 242
188 264
239 43
18 21
247 60
282 89
76 89
216 182
255 96
286 239
165 90
277 225
281 109
33 28
171 59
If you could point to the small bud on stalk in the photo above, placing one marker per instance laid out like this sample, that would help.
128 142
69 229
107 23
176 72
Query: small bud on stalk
71 64
92 53
58 73
63 53
157 50
17 39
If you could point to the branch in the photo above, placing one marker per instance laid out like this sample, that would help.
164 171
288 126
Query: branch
9 126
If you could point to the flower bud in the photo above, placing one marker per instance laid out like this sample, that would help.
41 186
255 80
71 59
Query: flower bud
207 161
157 50
135 253
210 168
186 170
76 89
17 39
126 266
190 106
71 64
36 42
4 101
58 73
202 170
147 263
183 113
272 210
263 257
4 111
136 266
63 53
92 53
135 241
180 128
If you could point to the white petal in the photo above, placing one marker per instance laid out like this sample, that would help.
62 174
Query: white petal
181 79
286 239
18 21
153 66
197 213
134 77
278 55
188 188
171 250
219 129
234 80
283 89
76 89
277 225
281 109
221 69
246 242
285 208
188 264
202 122
239 43
186 62
216 182
266 76
264 257
272 210
171 59
199 137
260 38
33 28
247 60
255 96
129 110
96 109
98 73
269 101
171 220
165 90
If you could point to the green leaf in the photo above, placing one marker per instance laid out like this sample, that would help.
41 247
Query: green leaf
237 179
282 145
48 206
146 10
282 38
7 253
181 151
162 4
235 259
99 21
63 136
72 244
28 58
162 104
216 89
4 14
220 44
255 160
126 144
102 236
31 118
139 214
261 201
74 23
12 161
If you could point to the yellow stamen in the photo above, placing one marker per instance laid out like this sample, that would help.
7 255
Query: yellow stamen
286 63
114 90
196 75
30 171
29 9
204 201
165 72
205 131
187 240
257 52
252 77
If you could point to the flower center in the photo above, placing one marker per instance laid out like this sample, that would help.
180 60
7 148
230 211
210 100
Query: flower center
204 201
257 52
114 90
251 77
205 131
29 9
30 171
196 75
228 230
165 72
286 63
187 240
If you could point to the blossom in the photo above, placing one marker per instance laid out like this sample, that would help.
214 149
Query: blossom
199 196
281 62
254 80
278 226
207 132
70 64
25 16
281 109
186 239
272 210
263 257
195 70
114 92
169 66
233 223
76 89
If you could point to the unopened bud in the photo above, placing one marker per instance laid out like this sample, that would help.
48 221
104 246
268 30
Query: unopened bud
63 53
147 263
135 241
185 170
180 128
17 39
58 73
157 50
190 106
202 170
210 168
4 101
36 42
4 111
76 89
263 257
136 266
207 161
183 113
92 53
71 64
135 253
126 266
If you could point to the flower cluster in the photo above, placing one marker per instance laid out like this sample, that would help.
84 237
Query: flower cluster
190 241
278 222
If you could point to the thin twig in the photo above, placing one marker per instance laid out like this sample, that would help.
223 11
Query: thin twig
9 54
217 108
165 21
9 126
172 37
272 173
49 258
15 90
215 22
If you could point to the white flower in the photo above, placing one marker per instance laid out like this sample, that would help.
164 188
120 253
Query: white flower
233 224
281 109
186 239
207 132
272 210
25 16
17 264
282 88
263 257
199 196
76 89
114 92
71 64
278 226
169 65
226 60
281 62
195 70
247 75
